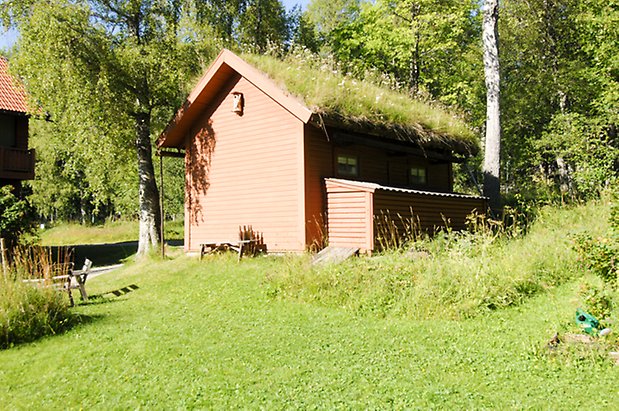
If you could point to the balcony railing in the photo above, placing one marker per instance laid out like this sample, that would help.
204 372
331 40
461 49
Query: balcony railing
16 163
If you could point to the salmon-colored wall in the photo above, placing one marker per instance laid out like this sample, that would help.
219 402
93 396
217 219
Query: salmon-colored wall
245 170
358 215
350 218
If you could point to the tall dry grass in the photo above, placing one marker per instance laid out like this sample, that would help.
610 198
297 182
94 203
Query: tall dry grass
30 310
454 274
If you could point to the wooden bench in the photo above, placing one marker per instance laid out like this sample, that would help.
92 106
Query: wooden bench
73 279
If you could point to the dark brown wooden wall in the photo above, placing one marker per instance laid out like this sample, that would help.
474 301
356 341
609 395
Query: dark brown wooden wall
375 166
430 211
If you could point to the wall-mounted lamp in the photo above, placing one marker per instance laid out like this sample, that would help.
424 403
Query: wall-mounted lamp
237 103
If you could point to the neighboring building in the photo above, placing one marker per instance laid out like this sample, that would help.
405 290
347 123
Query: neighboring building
16 160
256 155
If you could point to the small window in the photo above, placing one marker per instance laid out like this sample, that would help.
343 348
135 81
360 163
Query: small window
347 166
418 175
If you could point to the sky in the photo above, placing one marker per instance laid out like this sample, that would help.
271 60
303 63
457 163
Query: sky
7 39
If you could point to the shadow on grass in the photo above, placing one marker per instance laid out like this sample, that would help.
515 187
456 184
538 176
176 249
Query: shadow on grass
107 295
69 323
106 254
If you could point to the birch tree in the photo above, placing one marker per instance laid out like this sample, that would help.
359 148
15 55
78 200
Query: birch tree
123 58
492 155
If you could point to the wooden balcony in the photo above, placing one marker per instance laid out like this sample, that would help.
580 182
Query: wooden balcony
16 163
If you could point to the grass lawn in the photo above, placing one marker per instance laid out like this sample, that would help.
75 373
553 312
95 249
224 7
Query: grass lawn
110 232
207 335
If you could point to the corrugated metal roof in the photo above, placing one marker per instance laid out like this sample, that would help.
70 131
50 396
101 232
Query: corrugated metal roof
374 186
12 93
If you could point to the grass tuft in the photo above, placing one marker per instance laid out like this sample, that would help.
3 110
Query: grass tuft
28 312
453 276
31 310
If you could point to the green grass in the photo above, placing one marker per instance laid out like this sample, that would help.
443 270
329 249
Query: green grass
460 275
207 335
28 312
328 92
110 232
219 334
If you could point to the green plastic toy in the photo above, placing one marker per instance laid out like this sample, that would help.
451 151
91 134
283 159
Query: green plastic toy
587 322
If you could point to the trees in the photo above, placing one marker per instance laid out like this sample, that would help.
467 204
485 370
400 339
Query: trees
15 216
427 47
118 67
560 115
492 152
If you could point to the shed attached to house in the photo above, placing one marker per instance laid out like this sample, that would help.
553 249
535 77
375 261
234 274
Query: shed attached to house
257 155
370 216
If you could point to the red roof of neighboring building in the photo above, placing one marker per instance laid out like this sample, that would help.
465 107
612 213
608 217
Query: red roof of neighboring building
12 93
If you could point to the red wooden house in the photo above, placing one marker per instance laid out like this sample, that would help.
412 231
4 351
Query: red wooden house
257 155
16 160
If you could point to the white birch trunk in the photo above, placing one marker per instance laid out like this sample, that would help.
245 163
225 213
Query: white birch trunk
148 194
492 155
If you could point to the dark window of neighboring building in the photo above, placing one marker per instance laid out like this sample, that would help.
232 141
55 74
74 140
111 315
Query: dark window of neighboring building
347 166
418 175
7 131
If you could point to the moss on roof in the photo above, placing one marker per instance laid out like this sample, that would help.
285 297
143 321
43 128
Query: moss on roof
363 105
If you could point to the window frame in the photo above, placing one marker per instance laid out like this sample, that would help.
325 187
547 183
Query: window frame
347 156
417 167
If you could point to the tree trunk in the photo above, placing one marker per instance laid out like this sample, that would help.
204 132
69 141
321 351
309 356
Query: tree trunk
150 215
492 156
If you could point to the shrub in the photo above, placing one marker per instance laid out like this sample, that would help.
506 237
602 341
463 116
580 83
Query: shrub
15 215
28 312
601 255
598 300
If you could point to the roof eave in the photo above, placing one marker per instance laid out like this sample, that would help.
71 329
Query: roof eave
225 64
424 139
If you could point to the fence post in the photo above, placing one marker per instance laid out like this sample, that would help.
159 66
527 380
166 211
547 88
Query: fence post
4 260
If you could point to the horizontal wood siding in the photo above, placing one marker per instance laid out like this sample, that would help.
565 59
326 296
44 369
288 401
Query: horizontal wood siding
379 166
349 218
245 170
428 211
318 166
439 177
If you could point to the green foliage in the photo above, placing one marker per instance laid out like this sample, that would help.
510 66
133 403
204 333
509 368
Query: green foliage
598 300
586 148
601 255
559 115
16 215
455 275
416 43
262 22
27 311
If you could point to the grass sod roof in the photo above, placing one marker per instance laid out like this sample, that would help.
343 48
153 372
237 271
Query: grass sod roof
361 105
